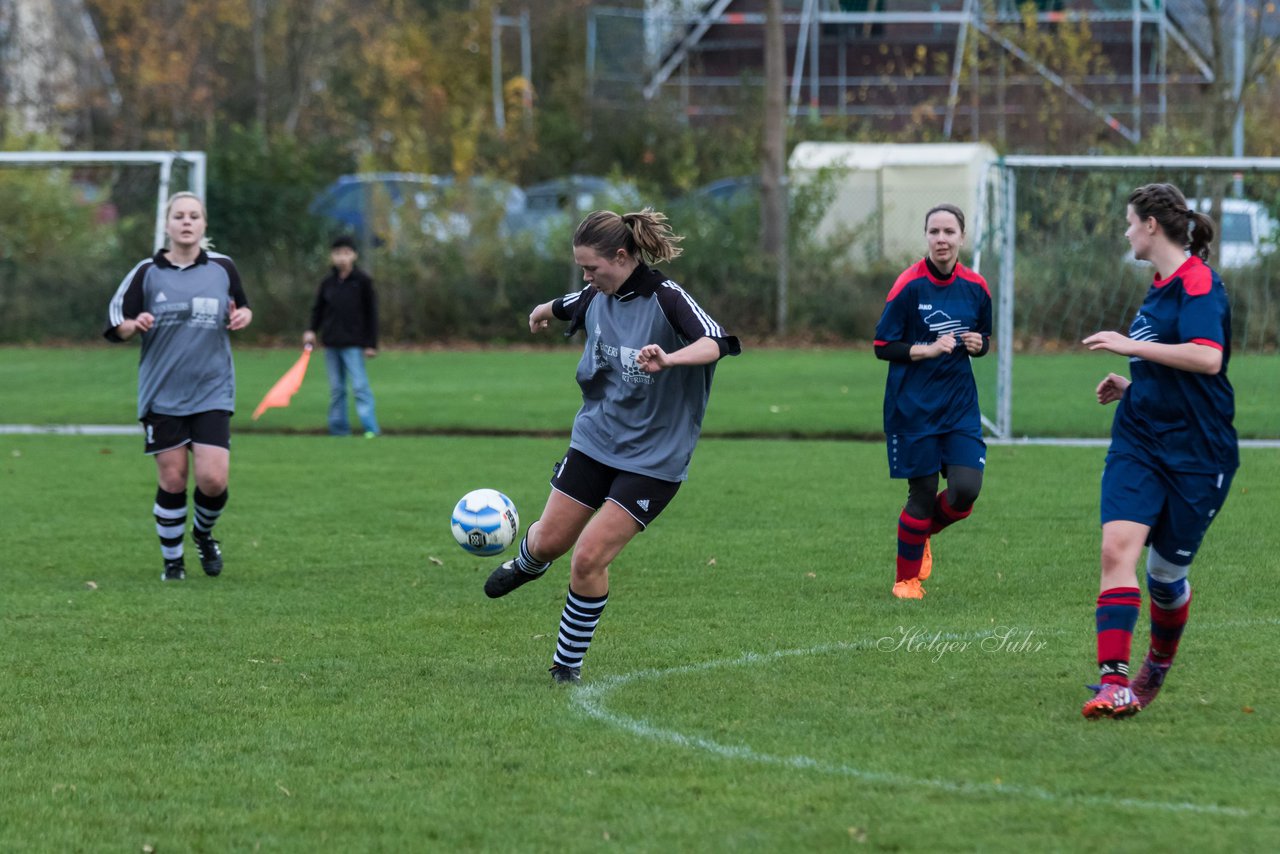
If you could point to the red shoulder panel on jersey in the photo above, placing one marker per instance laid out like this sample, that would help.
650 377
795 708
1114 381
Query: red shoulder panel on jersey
965 273
1197 278
915 271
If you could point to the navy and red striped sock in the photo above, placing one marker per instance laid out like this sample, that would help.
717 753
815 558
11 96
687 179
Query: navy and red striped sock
1116 616
944 514
1166 628
912 533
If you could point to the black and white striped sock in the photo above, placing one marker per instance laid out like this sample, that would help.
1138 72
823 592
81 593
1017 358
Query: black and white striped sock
171 522
207 512
526 562
577 626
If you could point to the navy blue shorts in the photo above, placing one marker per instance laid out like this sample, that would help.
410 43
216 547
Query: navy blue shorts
917 455
591 483
1179 506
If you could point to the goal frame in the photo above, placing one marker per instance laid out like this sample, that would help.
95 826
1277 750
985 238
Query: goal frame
1001 187
162 159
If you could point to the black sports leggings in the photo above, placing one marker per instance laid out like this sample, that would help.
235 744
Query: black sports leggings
963 486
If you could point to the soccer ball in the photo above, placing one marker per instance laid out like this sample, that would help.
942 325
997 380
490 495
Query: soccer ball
485 522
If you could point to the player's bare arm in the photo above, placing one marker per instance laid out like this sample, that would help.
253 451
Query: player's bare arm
1188 356
132 326
540 318
653 358
1112 388
944 345
972 341
239 317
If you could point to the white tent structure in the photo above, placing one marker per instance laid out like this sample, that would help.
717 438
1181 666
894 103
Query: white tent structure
883 191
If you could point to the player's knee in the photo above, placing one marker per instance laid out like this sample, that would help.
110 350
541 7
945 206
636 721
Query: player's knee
1166 581
963 486
962 500
922 494
213 486
546 543
1117 555
173 481
587 564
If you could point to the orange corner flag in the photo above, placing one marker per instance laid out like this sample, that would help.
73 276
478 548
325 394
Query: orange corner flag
287 386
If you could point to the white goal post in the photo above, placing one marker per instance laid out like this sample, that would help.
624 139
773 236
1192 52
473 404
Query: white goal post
162 159
1000 237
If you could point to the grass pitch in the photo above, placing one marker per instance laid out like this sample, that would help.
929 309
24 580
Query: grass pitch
346 686
783 393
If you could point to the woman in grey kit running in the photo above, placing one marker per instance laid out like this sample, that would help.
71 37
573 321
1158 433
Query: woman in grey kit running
645 375
184 301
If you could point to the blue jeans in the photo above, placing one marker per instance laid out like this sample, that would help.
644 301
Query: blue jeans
347 363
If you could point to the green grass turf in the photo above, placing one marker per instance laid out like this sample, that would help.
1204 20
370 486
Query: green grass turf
345 685
765 392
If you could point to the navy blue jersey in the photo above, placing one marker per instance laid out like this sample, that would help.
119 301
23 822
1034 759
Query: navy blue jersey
933 395
1180 420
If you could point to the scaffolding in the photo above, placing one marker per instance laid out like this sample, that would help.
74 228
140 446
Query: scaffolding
676 32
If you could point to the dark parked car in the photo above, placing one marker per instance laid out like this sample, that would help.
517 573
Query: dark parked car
376 206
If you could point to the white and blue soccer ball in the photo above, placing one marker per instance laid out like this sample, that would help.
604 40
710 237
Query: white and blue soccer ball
485 522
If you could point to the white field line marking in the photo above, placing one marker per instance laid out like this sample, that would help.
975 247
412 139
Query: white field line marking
71 429
130 430
590 700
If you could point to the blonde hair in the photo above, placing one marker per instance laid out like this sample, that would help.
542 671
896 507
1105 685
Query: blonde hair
205 242
644 235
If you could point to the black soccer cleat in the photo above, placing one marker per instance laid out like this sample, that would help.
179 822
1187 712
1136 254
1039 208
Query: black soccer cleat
563 673
210 554
174 570
506 578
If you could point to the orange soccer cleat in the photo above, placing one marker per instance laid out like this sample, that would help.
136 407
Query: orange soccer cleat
926 561
909 589
1112 701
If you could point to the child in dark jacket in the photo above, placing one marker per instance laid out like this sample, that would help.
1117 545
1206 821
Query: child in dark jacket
346 316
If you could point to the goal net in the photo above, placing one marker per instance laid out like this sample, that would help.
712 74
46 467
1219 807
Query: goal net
72 224
1054 252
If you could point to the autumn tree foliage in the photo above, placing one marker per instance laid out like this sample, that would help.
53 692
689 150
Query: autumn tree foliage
395 84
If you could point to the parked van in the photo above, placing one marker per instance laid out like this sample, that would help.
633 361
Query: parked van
1246 232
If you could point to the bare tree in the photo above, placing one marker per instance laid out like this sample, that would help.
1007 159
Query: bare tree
261 105
6 41
1242 53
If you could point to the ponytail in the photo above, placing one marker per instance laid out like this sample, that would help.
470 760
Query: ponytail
1165 203
1200 234
645 235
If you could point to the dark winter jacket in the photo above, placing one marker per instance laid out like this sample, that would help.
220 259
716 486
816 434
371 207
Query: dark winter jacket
345 313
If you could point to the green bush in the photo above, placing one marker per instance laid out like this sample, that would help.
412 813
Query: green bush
52 251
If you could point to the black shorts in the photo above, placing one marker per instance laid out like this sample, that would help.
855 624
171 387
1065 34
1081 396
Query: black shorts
590 482
166 432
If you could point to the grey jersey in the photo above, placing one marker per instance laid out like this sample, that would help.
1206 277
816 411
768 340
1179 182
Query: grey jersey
185 366
632 420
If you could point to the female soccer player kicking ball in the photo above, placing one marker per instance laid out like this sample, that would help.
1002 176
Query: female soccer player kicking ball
1173 447
645 375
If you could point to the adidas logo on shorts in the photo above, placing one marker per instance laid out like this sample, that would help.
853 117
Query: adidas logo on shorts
643 504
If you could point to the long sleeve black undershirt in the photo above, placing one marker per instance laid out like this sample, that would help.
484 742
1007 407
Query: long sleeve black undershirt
900 351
